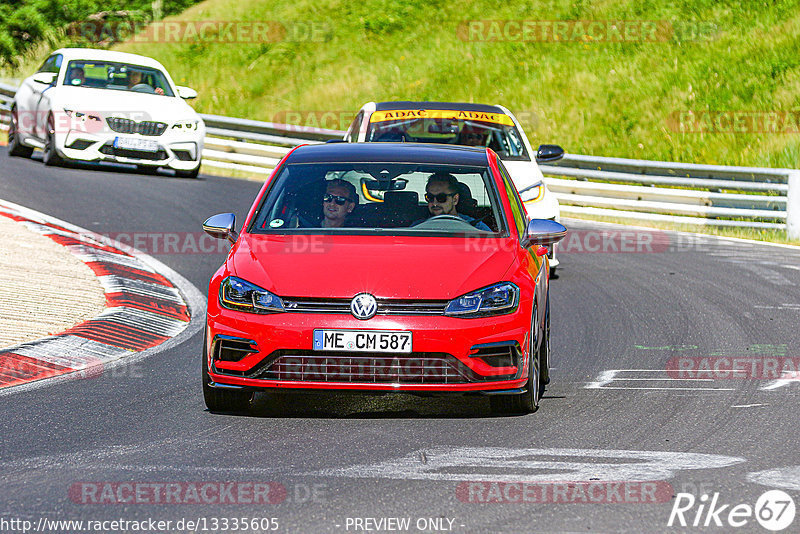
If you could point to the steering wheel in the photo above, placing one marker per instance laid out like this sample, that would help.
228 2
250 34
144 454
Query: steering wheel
446 218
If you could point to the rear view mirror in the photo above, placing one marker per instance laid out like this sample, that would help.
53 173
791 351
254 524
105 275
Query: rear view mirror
548 153
545 232
221 226
46 78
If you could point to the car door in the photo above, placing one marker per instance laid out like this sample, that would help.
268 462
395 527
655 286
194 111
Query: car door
40 100
27 98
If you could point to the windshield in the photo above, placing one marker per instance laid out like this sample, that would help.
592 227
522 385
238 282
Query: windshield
117 77
492 130
365 197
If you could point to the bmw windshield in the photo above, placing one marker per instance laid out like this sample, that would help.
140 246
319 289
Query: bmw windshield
117 77
393 198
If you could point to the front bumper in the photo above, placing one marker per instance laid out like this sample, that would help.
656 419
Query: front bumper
179 152
449 354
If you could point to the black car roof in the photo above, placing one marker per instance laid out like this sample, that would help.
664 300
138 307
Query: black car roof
459 106
389 153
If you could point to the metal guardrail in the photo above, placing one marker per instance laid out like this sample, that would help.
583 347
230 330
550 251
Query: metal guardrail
684 193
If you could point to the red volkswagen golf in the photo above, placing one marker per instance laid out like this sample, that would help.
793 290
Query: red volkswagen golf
384 268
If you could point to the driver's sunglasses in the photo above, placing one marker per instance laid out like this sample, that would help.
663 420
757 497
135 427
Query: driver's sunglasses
340 201
438 197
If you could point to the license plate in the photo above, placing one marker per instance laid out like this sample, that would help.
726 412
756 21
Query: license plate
362 340
132 143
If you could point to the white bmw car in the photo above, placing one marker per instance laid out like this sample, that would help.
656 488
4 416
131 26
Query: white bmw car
467 124
99 105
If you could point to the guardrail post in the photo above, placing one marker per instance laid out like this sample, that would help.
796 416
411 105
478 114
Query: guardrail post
793 206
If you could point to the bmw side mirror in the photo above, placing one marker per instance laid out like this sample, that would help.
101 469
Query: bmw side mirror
186 93
545 232
222 226
46 78
548 153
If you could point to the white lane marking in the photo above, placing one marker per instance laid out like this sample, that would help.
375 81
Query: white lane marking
668 389
788 378
613 376
783 477
749 405
534 465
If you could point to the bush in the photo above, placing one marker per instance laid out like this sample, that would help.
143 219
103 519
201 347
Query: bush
24 23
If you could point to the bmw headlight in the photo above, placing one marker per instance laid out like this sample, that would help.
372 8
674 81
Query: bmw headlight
497 299
185 125
240 295
82 117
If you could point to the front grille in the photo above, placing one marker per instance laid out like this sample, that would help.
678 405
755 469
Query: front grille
385 306
133 154
128 126
415 368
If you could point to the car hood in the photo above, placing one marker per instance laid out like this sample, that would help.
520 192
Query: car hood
388 267
128 104
524 173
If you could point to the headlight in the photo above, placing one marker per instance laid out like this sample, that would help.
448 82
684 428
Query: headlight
83 117
240 295
185 125
532 193
493 300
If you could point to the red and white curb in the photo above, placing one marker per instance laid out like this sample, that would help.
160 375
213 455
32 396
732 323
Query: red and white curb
149 307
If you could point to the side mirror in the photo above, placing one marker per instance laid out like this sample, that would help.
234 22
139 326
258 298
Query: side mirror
545 232
186 93
222 226
548 153
46 78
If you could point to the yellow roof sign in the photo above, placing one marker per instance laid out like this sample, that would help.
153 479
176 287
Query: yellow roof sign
405 114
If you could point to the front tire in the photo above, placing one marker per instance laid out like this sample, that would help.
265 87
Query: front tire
528 402
222 400
15 146
544 351
51 158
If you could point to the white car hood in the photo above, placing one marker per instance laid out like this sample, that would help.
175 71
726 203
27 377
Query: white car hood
128 104
525 174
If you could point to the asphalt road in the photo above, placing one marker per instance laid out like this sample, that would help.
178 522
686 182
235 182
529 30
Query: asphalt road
612 419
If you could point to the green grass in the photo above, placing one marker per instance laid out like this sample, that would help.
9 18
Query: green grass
612 99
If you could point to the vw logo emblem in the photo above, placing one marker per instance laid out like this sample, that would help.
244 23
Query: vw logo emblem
363 306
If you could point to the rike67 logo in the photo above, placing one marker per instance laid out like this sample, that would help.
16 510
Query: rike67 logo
774 510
